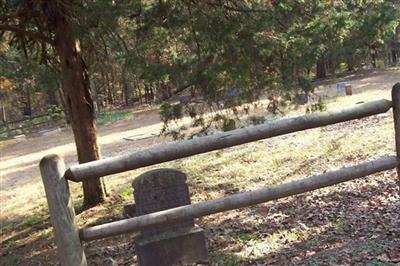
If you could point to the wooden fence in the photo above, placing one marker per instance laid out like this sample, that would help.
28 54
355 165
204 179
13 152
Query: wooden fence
68 237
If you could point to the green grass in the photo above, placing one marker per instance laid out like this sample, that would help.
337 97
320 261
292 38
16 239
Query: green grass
10 260
126 193
104 118
225 259
35 218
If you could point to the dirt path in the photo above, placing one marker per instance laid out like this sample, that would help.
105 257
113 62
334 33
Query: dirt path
20 177
366 80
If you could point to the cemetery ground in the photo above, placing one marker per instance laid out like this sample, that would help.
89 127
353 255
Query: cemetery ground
356 223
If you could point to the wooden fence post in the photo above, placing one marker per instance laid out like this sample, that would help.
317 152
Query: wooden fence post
62 214
396 118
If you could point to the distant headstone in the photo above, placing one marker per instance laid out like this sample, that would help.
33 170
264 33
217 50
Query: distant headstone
233 92
129 210
169 244
185 99
341 86
302 99
349 89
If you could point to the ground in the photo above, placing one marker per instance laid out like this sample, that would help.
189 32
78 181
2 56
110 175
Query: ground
356 222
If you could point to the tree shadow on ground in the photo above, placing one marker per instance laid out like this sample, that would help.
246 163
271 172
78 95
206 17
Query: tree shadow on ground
356 222
28 244
343 227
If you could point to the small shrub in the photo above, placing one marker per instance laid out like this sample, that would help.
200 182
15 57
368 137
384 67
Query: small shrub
104 118
257 120
224 123
55 112
305 85
169 112
319 106
126 193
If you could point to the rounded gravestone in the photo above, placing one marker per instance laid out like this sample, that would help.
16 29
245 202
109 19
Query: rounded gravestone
167 244
159 190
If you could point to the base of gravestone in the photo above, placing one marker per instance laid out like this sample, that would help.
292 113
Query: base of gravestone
129 210
183 246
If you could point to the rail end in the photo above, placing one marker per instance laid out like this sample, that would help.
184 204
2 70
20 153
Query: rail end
69 175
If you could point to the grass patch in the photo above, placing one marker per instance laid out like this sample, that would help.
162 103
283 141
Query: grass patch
246 236
104 118
34 219
10 260
225 259
126 193
31 220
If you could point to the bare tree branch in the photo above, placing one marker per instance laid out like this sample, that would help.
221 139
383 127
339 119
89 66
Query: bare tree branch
34 35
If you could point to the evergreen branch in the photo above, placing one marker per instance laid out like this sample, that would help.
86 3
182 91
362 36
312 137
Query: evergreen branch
237 8
33 35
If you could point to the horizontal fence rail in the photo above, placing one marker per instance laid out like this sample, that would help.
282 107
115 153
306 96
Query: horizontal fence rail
172 151
239 200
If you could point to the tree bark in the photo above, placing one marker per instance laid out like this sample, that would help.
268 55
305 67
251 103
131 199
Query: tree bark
76 88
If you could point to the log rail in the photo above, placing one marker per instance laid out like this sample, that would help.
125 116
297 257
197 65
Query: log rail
176 150
239 200
62 216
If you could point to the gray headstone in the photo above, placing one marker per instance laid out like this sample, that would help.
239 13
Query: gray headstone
159 190
302 99
167 244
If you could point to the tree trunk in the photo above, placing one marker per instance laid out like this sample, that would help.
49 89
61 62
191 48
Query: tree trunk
52 95
350 62
125 86
76 88
394 57
139 90
330 64
321 68
112 85
28 105
110 99
373 57
63 104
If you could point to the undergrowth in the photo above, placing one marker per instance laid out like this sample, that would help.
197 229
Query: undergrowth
104 118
